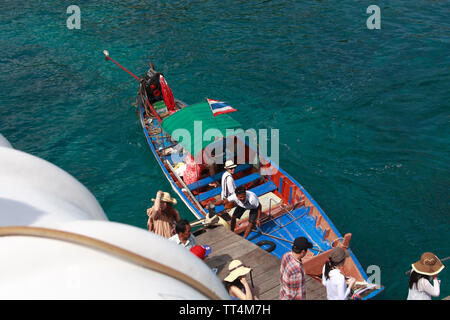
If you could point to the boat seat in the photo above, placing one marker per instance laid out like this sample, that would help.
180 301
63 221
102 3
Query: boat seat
204 182
259 191
239 182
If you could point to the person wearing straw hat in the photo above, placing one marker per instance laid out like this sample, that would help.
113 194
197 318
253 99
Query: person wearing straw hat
423 272
228 185
162 216
333 279
236 283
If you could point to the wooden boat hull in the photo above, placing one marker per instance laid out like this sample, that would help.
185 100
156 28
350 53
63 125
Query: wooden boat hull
296 213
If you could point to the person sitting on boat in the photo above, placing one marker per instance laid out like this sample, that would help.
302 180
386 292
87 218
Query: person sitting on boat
244 200
183 235
423 272
235 282
210 167
228 185
196 170
162 216
333 279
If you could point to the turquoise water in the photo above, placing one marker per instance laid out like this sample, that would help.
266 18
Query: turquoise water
363 114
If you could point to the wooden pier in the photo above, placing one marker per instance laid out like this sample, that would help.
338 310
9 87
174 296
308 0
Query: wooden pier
227 246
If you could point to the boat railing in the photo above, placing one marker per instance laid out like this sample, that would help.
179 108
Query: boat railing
294 219
283 226
185 188
286 211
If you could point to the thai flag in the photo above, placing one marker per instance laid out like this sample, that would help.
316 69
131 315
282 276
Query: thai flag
219 107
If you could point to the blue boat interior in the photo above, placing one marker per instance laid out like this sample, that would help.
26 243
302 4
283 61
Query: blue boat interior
279 231
284 229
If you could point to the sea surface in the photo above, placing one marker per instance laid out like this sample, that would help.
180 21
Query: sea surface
363 115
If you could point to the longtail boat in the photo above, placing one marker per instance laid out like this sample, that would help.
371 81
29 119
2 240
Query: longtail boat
288 210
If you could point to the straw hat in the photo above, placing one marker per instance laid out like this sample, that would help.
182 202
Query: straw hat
167 198
229 164
236 269
428 264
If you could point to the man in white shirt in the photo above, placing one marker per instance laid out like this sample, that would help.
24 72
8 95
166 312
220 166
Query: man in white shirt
228 185
244 200
184 236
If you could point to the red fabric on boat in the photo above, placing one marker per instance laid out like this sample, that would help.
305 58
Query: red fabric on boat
167 94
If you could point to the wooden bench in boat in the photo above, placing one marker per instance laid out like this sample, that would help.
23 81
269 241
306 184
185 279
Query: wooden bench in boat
239 182
204 182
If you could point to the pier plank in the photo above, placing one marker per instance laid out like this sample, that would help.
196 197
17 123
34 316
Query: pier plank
227 246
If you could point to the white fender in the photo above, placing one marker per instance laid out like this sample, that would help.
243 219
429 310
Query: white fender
35 193
41 268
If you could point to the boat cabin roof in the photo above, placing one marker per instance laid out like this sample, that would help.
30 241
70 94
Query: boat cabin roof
195 127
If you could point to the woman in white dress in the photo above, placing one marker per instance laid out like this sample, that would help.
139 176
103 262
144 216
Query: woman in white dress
332 277
423 272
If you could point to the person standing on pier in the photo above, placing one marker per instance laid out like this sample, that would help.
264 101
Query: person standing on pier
292 278
333 279
162 216
423 272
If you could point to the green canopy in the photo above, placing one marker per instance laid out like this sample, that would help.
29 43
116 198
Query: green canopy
195 127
